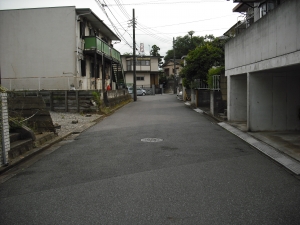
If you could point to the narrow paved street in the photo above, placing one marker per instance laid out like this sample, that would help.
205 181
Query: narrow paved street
154 161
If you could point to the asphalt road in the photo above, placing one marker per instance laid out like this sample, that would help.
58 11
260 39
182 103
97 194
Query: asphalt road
191 172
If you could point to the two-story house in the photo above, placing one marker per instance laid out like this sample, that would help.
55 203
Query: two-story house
57 48
147 70
168 67
262 65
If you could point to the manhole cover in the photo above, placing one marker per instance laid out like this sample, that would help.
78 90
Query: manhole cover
151 139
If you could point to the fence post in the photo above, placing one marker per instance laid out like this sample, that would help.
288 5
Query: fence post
5 143
51 101
66 101
77 101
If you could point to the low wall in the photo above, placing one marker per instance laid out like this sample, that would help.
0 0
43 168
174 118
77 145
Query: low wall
203 98
73 101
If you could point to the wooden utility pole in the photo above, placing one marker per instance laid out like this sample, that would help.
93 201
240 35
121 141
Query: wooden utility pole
134 58
175 77
174 57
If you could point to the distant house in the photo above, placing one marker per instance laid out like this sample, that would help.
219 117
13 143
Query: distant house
57 48
262 65
147 71
168 67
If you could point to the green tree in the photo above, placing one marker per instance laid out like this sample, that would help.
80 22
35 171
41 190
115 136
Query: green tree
155 50
183 45
214 71
201 59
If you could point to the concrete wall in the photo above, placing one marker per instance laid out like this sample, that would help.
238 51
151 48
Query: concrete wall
237 98
273 41
274 101
38 48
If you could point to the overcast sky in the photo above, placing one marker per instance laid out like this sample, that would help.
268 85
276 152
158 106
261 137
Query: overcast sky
158 21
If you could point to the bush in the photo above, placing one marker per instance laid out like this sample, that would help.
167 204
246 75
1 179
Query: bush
214 71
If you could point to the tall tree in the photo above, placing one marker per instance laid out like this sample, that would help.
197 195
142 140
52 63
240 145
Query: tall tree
183 45
202 58
155 50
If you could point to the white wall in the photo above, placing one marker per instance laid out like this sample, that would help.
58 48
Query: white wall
145 83
38 48
154 64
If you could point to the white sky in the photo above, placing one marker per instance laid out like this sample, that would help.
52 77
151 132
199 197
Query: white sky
158 21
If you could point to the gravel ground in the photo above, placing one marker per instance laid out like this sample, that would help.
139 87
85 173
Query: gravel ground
67 121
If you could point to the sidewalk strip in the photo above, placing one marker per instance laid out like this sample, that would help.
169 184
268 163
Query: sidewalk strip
282 159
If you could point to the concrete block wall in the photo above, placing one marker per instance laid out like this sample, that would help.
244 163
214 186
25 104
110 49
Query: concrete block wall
4 125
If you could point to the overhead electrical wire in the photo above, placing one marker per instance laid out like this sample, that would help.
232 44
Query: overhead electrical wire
149 31
172 2
194 31
115 28
118 21
140 27
122 9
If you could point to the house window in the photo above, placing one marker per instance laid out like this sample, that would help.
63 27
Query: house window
140 78
145 63
265 7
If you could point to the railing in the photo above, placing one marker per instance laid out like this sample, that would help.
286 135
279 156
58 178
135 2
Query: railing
95 43
216 83
200 84
39 83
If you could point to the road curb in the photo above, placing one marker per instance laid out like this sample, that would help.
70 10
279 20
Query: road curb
273 153
286 161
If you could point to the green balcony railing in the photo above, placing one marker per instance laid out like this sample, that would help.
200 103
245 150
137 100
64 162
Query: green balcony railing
95 43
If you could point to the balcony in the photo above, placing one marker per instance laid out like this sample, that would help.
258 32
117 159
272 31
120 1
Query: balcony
96 44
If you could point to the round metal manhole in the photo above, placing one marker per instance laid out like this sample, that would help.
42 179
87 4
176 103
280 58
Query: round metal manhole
151 140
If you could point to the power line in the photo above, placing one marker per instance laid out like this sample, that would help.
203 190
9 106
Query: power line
115 28
195 21
161 3
186 32
122 9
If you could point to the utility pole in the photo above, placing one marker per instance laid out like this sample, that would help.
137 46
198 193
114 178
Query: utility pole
134 58
175 78
174 57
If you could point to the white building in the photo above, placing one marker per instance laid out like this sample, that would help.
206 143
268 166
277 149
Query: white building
57 48
147 70
262 65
